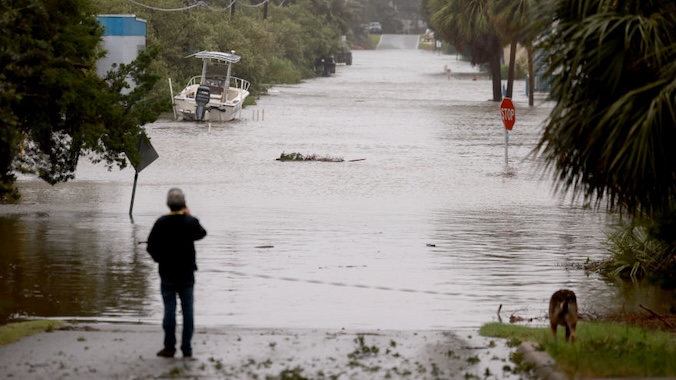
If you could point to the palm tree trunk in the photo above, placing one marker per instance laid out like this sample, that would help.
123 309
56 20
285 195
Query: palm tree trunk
531 78
512 67
494 67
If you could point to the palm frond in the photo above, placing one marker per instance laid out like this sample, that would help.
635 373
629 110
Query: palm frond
613 76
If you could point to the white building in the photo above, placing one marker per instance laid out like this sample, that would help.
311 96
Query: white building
124 37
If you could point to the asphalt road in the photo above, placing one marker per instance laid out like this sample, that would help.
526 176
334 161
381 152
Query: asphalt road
398 41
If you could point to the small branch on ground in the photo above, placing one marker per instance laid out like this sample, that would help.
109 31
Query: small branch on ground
656 315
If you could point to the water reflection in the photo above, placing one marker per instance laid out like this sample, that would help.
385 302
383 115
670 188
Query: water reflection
433 207
74 264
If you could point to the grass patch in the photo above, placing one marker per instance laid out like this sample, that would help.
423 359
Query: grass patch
13 332
601 349
523 333
374 40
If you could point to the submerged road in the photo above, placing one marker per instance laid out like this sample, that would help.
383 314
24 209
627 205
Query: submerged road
398 41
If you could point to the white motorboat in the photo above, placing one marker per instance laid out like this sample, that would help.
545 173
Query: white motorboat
215 96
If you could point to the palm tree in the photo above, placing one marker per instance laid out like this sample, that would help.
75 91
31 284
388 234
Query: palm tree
514 18
609 137
467 25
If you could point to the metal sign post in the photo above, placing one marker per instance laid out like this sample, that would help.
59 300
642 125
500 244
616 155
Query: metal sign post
148 155
508 118
133 193
506 145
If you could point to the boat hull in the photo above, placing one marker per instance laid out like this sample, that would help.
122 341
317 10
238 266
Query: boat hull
216 111
216 97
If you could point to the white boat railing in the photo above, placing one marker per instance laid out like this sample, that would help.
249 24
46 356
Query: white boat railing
235 82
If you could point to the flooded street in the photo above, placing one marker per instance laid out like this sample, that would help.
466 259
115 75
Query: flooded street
429 230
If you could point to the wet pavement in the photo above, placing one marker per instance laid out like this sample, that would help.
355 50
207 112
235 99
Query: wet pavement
127 351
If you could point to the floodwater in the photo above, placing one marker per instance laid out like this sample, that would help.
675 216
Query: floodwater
430 229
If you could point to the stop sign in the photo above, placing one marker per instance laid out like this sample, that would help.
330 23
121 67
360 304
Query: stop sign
508 113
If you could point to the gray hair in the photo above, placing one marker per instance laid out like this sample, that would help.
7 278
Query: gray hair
175 199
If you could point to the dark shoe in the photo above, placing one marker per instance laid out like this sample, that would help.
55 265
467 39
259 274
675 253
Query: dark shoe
187 355
166 353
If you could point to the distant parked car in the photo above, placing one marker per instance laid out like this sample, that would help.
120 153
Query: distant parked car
375 27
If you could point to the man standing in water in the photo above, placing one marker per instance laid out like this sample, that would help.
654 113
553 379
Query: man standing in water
171 243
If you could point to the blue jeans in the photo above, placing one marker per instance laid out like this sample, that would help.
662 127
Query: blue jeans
184 290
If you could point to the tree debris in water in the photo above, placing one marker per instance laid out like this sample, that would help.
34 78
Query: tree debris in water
310 157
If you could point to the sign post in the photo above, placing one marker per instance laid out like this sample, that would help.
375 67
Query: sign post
508 118
148 154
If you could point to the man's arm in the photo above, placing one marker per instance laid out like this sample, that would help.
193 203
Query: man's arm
153 245
199 231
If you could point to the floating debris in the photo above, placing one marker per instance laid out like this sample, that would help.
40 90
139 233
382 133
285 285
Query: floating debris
310 157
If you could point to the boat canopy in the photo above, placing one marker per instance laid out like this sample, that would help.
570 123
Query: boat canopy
216 55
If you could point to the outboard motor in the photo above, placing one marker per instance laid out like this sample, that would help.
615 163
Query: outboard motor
202 99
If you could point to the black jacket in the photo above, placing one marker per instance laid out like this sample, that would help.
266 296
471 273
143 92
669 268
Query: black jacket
171 244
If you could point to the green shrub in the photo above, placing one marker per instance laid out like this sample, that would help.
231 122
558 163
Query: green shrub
282 71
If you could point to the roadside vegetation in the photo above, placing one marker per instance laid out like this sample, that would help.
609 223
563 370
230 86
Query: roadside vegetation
482 28
607 139
602 349
374 40
55 109
611 67
639 251
278 44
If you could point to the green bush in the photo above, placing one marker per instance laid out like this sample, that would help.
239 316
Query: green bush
279 49
281 71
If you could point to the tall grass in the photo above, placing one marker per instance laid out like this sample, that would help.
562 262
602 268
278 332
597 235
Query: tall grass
601 349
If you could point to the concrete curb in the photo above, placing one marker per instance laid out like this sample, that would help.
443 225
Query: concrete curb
544 364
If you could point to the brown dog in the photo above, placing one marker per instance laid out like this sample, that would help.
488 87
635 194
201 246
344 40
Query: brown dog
563 311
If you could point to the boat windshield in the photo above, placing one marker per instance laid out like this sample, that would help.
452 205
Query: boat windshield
215 82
